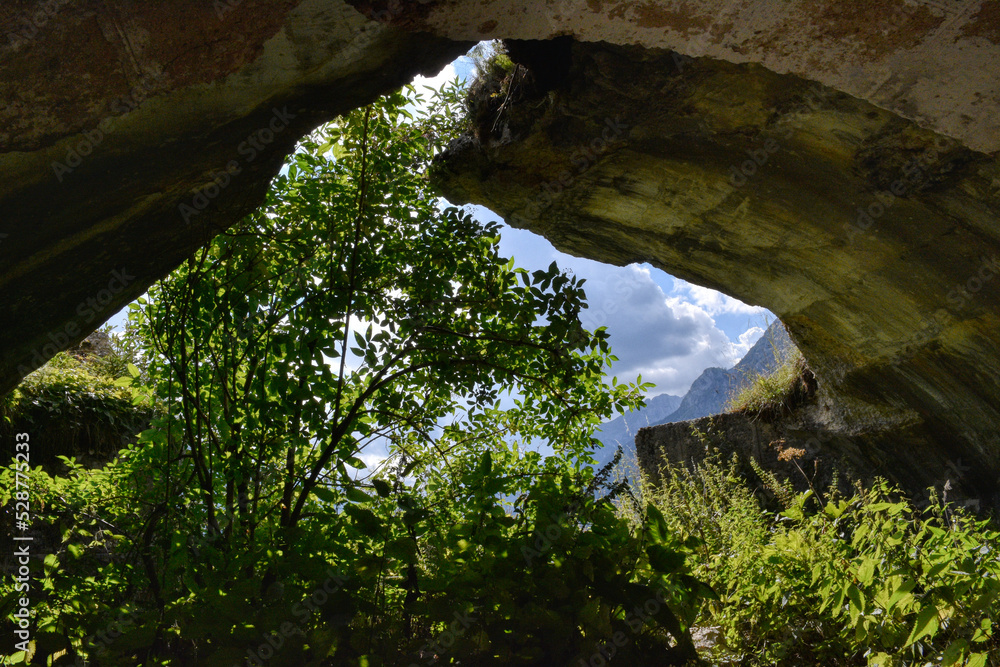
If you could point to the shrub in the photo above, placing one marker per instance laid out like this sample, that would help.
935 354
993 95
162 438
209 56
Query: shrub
498 84
866 580
76 408
248 509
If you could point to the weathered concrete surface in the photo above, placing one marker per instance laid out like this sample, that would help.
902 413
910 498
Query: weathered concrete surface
113 114
779 192
931 61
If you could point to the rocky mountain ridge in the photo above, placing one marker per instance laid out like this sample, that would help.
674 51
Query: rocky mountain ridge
709 393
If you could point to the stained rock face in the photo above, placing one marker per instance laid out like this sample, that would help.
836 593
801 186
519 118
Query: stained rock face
875 241
799 448
833 161
930 61
132 132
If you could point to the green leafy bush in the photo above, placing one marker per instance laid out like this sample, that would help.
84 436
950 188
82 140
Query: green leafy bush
351 310
867 580
76 408
126 356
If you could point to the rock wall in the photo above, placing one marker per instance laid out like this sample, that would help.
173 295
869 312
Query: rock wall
824 458
833 161
132 132
874 240
930 61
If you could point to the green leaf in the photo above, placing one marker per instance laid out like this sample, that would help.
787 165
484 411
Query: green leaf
132 370
403 548
866 571
325 494
356 495
926 625
365 519
977 660
902 591
856 606
984 631
485 465
656 523
413 517
880 659
382 488
665 560
355 462
953 654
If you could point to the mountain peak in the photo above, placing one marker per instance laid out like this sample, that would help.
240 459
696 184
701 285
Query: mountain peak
708 394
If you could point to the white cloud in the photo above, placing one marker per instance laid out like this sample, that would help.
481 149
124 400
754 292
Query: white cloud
372 460
444 76
668 340
714 303
747 339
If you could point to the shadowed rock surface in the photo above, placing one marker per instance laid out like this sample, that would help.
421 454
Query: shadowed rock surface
117 113
826 457
874 240
131 133
930 61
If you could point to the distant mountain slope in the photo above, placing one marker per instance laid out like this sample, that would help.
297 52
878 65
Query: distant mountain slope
708 395
622 429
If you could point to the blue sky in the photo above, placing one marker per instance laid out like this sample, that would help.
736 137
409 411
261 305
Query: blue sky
661 327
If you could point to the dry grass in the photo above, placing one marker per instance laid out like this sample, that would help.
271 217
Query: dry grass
775 394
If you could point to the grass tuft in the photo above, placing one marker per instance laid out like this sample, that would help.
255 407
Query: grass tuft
771 395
